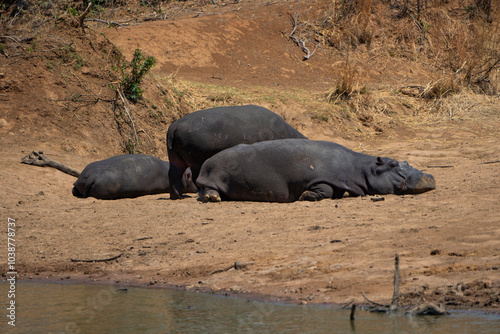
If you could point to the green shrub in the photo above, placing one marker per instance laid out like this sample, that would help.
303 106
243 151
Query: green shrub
131 84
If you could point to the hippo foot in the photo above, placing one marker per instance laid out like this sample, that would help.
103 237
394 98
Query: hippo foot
310 196
210 196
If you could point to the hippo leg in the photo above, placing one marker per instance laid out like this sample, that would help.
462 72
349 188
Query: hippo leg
210 195
175 175
317 192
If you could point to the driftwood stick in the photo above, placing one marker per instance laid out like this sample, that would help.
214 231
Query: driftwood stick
353 309
440 166
489 162
143 238
395 296
109 23
38 159
236 265
98 260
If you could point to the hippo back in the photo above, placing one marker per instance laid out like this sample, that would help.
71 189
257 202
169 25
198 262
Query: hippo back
196 137
126 176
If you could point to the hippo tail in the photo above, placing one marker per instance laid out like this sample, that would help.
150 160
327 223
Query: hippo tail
170 137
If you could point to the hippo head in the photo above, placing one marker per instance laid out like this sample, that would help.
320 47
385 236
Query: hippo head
389 176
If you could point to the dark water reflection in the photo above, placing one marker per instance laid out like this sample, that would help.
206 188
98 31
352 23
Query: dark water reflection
62 308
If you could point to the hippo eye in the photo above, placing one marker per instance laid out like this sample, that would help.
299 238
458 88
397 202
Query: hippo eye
393 164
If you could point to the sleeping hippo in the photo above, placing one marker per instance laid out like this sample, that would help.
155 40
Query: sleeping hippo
288 170
196 137
126 176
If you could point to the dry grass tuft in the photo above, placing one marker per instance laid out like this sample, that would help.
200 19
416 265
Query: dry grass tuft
347 84
439 88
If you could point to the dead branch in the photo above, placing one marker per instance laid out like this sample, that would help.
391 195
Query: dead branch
440 166
109 23
489 162
98 260
143 238
38 159
353 309
395 296
81 19
11 38
60 39
237 265
156 10
300 43
372 302
120 93
347 304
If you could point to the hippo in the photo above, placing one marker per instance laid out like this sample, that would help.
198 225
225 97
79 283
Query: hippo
127 176
196 137
289 170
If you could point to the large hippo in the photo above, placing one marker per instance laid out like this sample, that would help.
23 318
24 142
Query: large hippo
288 170
126 176
197 136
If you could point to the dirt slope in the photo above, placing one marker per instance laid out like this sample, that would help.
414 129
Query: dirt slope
325 252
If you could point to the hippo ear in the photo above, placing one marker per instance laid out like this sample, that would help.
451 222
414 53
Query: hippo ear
379 161
189 176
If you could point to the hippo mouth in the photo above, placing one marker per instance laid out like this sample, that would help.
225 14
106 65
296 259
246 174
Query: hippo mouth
426 183
422 185
416 185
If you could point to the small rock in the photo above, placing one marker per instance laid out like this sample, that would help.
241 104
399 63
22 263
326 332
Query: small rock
455 254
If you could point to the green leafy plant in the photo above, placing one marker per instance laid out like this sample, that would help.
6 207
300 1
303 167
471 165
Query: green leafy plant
140 65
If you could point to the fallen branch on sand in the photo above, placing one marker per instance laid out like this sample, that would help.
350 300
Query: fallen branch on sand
237 265
98 260
38 159
441 166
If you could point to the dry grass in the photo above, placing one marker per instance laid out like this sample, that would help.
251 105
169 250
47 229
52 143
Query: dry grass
461 38
440 88
347 24
347 84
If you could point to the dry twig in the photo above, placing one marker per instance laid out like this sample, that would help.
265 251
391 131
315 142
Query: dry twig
98 260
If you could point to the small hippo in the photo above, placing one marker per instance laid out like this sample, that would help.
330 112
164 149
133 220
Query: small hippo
126 176
287 170
196 137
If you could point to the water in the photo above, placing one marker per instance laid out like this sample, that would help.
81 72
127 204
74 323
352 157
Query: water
64 308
